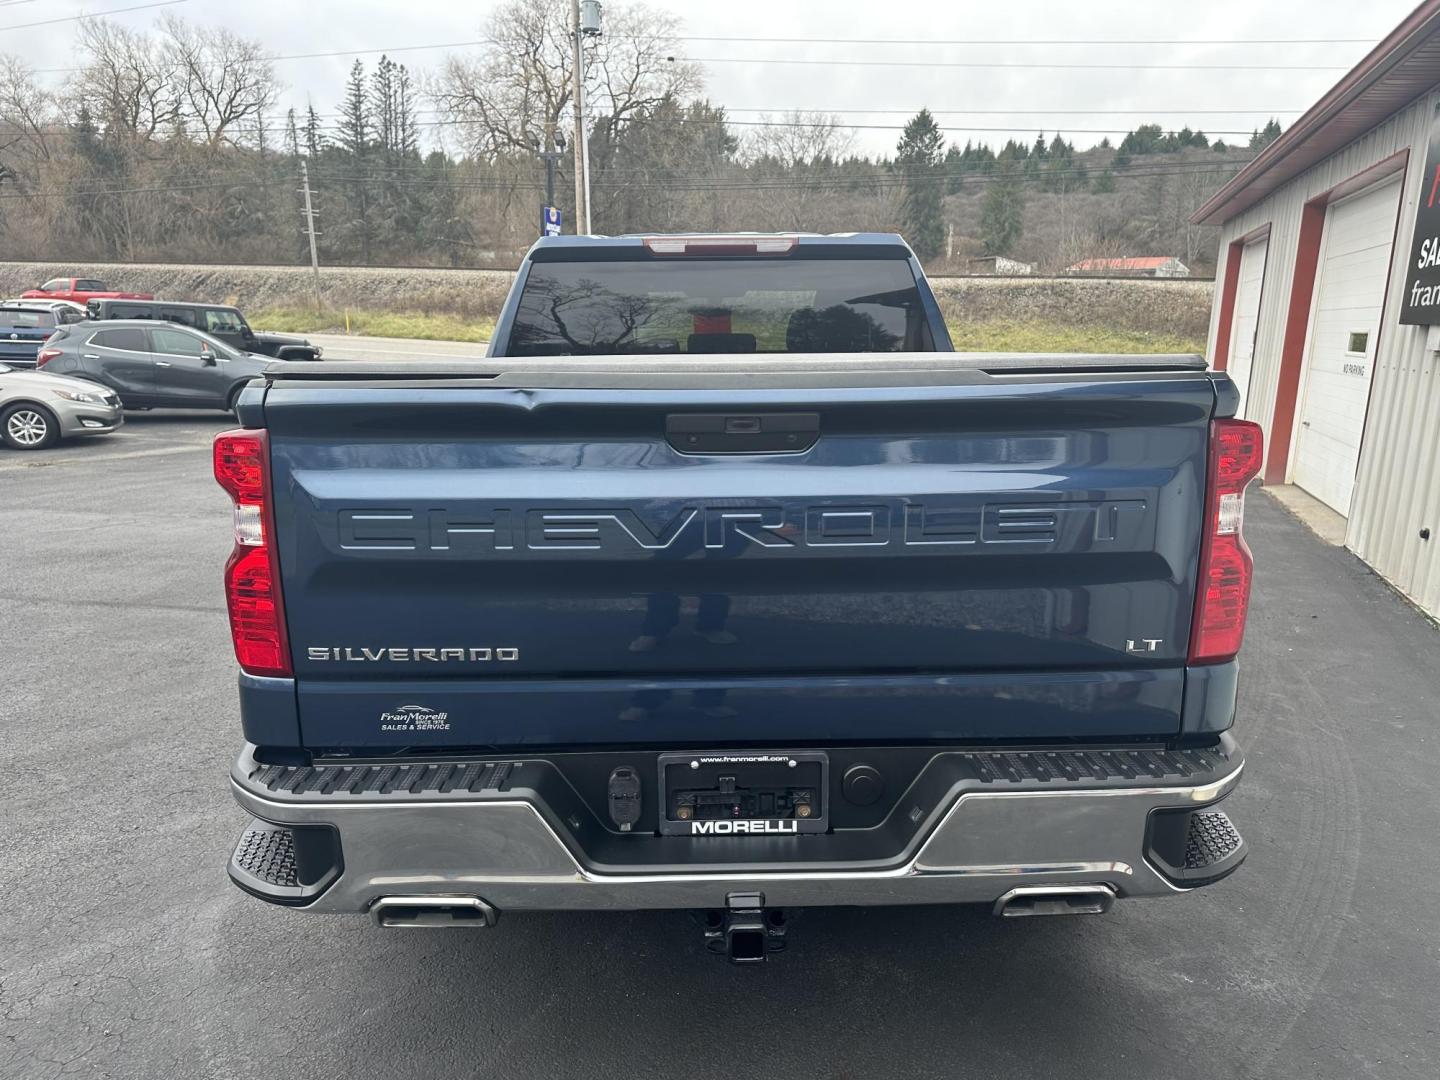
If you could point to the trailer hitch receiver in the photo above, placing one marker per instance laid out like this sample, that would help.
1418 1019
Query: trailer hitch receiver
745 931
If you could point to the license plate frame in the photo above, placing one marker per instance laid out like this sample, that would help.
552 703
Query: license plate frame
694 779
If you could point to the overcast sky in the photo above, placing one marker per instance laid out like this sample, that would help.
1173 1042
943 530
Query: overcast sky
1168 93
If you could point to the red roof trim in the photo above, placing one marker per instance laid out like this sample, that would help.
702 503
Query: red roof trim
1277 163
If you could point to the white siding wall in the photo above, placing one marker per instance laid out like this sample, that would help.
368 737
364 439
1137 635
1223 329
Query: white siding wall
1397 487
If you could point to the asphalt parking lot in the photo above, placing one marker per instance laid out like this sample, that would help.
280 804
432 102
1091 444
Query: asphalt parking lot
125 952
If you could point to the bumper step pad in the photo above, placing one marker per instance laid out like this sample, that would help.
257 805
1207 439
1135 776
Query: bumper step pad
1212 840
1195 847
267 853
285 864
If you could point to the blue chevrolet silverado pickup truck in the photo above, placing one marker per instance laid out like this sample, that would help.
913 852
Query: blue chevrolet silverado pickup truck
721 583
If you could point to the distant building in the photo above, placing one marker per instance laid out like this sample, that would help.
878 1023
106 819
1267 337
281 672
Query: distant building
999 264
1132 266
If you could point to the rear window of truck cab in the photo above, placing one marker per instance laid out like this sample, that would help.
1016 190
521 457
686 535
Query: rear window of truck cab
89 285
718 305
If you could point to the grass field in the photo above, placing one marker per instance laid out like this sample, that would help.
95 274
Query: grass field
1032 337
989 336
385 324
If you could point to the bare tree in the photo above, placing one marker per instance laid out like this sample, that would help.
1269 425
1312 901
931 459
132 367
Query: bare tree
515 94
28 113
126 83
634 67
797 157
224 83
798 139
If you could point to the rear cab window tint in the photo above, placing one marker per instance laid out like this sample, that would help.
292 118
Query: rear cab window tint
719 305
89 285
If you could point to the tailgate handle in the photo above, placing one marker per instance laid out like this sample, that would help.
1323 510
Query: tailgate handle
742 433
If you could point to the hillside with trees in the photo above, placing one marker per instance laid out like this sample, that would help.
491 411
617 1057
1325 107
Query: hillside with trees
175 145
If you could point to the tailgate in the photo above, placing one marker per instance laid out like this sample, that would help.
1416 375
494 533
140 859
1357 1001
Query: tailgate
488 566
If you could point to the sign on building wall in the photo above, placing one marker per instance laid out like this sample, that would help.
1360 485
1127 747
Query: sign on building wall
1422 280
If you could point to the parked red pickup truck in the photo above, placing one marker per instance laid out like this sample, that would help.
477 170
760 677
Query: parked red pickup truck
81 291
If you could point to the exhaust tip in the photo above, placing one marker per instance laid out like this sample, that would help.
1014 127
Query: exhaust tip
433 912
1030 900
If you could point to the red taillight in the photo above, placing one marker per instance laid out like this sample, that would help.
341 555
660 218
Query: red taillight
1237 450
240 464
44 356
252 575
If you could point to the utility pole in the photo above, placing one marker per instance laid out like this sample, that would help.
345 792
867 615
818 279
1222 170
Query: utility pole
586 16
310 230
579 70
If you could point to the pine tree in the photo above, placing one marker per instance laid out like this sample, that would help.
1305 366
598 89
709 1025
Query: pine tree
292 134
407 138
314 137
1002 214
955 169
1266 135
919 156
382 104
355 128
355 120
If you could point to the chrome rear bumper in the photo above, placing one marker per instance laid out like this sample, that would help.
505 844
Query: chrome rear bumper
982 845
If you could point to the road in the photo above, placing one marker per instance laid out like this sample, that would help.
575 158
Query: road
343 347
125 952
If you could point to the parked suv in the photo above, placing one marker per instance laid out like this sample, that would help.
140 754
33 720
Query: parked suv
218 320
152 365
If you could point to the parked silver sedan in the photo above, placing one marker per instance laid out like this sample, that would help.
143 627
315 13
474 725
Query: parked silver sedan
38 410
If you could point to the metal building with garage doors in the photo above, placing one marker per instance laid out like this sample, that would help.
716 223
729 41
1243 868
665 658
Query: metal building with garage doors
1328 309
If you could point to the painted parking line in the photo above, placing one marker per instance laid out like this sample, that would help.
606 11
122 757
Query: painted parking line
126 455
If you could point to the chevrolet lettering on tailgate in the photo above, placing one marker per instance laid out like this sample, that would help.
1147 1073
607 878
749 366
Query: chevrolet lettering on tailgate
775 527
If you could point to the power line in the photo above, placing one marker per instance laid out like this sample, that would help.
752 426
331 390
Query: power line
473 43
94 15
858 127
318 55
907 110
1003 64
912 109
829 174
131 191
684 184
1033 41
272 122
